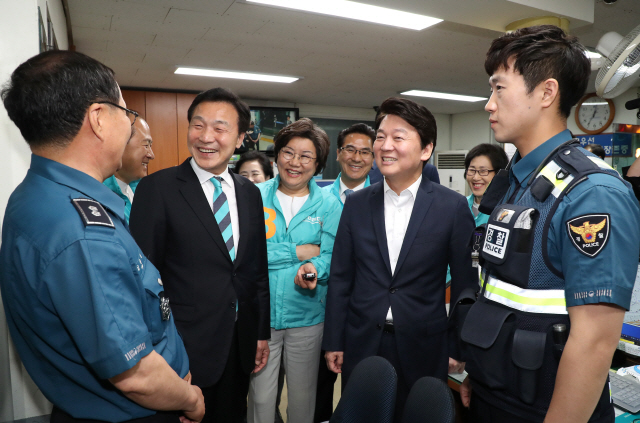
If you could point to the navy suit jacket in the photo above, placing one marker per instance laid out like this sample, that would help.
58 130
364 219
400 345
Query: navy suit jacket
361 287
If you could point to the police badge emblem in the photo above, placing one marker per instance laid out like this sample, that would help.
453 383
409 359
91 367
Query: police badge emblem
165 310
589 233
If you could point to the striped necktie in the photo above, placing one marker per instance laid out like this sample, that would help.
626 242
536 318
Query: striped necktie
222 215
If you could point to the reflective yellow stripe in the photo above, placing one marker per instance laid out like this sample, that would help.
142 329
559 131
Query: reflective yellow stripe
550 171
525 300
548 301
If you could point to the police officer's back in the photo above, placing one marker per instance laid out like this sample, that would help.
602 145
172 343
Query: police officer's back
560 248
84 307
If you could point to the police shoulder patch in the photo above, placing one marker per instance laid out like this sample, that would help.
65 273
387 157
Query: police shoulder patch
589 233
92 212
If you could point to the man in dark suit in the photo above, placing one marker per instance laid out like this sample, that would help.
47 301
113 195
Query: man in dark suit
387 286
203 228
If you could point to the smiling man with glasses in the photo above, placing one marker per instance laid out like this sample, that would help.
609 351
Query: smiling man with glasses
355 155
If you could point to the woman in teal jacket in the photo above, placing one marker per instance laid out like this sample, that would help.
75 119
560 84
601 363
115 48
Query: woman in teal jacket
301 221
480 166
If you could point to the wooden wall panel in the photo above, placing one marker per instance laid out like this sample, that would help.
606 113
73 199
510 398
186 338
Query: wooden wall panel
162 119
183 103
136 101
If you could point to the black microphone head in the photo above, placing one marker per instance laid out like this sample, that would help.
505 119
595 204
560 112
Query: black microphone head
632 104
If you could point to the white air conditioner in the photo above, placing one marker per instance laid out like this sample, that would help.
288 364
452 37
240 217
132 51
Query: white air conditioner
450 166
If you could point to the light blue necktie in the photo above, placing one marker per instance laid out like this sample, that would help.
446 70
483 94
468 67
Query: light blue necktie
348 192
222 215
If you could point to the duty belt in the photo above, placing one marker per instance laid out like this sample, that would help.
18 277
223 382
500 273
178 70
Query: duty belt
546 301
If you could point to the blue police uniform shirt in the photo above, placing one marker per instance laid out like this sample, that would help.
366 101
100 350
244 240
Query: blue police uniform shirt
609 276
82 302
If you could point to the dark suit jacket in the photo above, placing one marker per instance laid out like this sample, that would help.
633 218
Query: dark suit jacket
174 226
361 287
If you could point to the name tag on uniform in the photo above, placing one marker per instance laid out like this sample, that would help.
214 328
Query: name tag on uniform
495 241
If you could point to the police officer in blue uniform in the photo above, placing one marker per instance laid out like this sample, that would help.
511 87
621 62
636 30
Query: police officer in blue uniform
85 308
559 252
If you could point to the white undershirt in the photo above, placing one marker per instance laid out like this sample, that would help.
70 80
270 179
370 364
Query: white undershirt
343 188
228 188
290 205
397 212
126 189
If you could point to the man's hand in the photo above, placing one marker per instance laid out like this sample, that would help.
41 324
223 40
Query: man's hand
188 377
334 360
307 251
303 283
196 415
465 392
262 355
455 366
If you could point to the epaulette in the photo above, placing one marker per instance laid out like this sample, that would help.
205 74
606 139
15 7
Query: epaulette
92 212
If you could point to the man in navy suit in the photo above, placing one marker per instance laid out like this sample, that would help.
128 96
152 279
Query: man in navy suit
395 240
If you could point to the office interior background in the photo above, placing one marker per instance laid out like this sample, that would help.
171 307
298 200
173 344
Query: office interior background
345 66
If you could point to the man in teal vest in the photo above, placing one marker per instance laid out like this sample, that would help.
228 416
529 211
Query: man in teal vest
135 162
355 155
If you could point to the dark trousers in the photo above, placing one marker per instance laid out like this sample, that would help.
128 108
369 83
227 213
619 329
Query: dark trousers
226 401
59 416
324 394
483 412
389 350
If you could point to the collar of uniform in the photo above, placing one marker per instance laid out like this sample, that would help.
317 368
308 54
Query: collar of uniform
80 181
204 175
413 188
524 166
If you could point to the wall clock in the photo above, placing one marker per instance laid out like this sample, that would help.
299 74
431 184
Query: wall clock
594 114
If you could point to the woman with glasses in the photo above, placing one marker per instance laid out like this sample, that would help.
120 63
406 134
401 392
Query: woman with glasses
480 166
301 221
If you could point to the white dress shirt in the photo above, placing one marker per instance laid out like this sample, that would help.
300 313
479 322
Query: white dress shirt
126 189
228 188
397 212
343 188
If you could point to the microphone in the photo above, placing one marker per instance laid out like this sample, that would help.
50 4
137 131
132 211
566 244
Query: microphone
632 104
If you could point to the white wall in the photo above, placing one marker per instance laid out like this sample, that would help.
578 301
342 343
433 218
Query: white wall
19 398
470 129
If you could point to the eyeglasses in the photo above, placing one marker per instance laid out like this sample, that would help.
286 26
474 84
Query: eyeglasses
131 114
365 154
481 172
289 154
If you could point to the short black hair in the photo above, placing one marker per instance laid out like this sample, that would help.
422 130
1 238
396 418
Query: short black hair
259 157
305 128
225 96
357 128
415 114
596 149
496 155
47 96
541 52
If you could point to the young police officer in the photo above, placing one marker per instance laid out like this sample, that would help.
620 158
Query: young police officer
560 248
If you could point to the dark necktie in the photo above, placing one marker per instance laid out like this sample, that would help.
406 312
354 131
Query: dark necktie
222 215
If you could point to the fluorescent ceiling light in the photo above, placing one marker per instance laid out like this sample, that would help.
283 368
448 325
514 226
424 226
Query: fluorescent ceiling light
235 75
443 96
357 11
